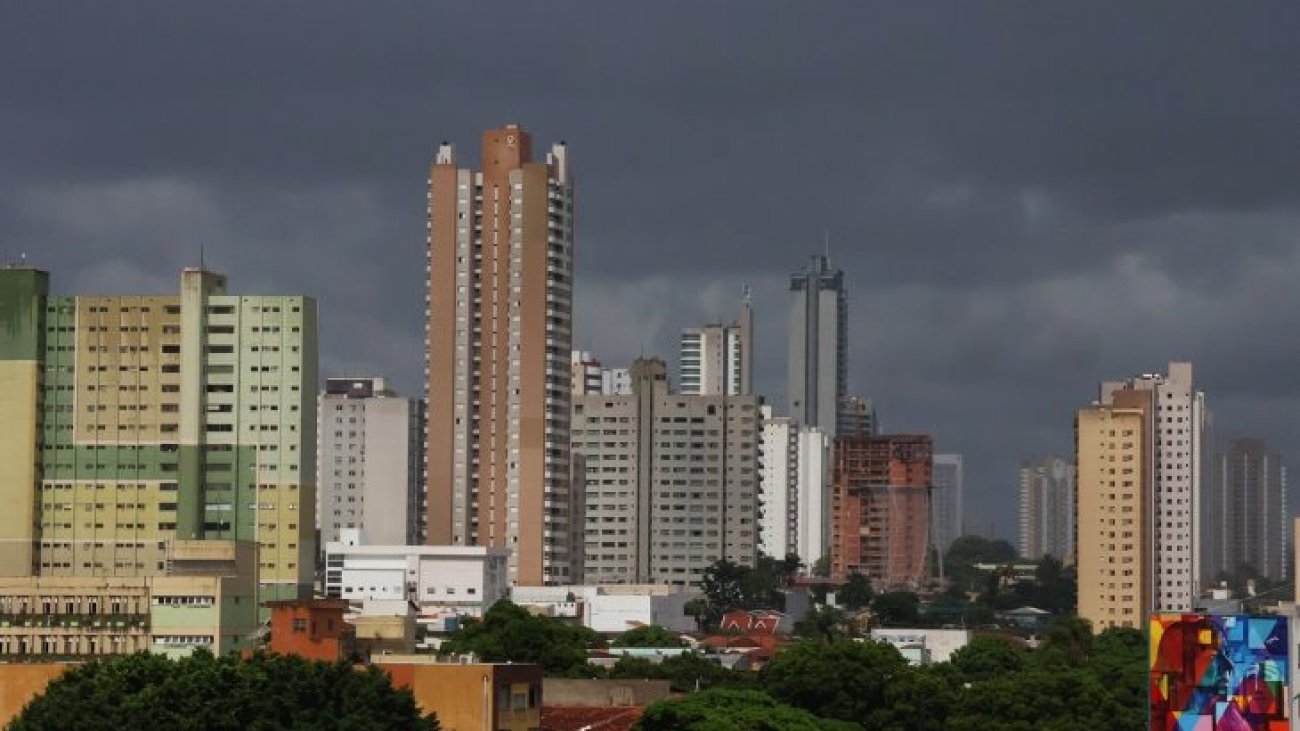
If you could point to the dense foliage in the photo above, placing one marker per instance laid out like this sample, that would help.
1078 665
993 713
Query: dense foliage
509 633
648 636
264 693
1075 681
729 710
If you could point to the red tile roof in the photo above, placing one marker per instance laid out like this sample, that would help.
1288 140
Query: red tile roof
573 718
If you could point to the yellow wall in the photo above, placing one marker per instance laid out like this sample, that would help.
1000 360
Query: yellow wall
18 383
1110 520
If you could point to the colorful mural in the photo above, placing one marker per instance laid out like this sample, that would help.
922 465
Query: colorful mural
1228 673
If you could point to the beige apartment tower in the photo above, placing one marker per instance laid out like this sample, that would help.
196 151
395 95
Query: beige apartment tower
500 302
1113 493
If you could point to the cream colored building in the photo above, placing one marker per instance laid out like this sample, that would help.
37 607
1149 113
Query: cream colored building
127 421
1113 495
205 600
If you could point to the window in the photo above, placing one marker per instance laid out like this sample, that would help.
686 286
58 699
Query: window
299 625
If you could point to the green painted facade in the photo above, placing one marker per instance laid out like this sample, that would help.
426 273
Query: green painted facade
22 310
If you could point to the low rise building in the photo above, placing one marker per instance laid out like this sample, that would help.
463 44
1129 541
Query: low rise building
207 599
923 646
612 608
464 580
465 695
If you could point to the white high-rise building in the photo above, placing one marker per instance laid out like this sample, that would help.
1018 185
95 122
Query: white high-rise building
716 359
368 462
1176 433
1046 515
795 489
813 525
946 501
778 485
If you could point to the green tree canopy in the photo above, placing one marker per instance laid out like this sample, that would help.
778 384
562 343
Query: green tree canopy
729 710
509 633
897 609
844 679
648 636
987 657
1067 641
824 623
265 693
856 593
959 562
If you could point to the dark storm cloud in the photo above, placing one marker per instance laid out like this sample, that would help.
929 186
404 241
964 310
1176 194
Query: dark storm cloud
1026 197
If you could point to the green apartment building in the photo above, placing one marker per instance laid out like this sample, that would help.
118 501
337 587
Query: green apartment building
128 422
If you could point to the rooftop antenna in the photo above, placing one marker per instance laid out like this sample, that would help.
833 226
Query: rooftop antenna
202 267
826 235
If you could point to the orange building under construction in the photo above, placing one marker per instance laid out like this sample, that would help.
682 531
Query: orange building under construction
880 509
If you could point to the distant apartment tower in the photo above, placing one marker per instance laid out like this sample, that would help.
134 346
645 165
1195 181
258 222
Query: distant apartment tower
1046 509
369 463
880 513
1113 455
500 308
779 485
856 417
585 373
1248 517
818 370
717 359
130 421
589 377
671 480
1175 432
946 501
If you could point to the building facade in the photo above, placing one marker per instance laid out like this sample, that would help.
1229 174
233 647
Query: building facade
500 309
1247 515
589 377
369 466
856 418
671 480
205 600
779 486
1113 456
718 359
1176 433
132 420
880 512
818 369
946 501
1046 509
466 580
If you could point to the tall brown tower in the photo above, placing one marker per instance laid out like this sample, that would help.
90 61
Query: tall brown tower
500 307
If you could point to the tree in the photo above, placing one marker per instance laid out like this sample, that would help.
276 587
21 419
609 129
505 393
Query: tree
988 657
966 551
856 592
824 624
723 585
897 609
509 633
919 699
648 636
1067 641
264 693
1038 699
729 710
844 679
1057 587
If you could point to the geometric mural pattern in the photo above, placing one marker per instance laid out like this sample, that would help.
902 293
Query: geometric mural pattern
1219 673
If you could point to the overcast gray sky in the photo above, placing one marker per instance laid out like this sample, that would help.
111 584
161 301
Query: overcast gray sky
1026 197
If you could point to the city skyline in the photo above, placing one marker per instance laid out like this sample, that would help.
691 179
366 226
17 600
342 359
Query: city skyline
990 243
